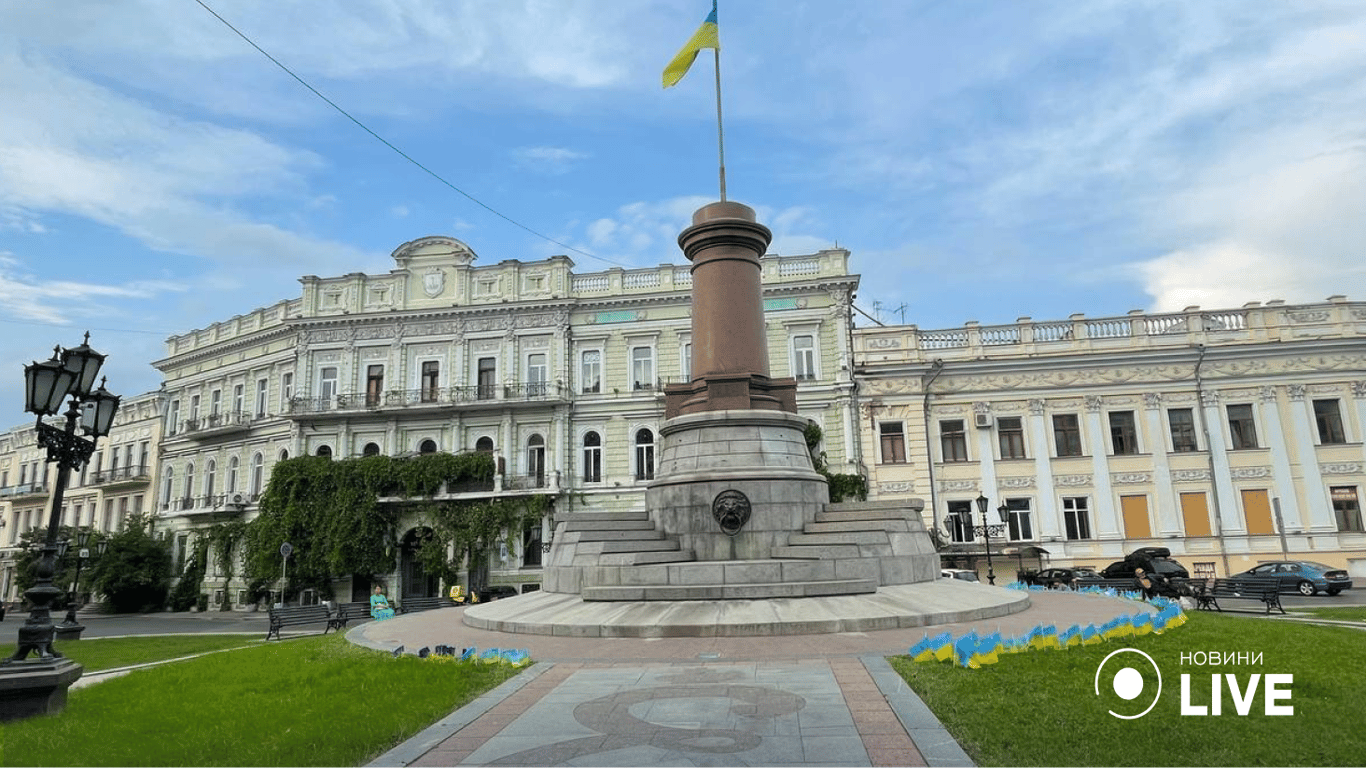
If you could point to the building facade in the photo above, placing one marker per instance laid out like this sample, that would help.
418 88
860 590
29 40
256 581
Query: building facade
115 486
1228 437
559 374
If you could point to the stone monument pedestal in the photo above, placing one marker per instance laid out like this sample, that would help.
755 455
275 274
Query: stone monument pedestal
36 686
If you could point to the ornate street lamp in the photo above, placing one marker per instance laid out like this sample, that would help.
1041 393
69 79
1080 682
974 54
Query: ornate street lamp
986 530
70 629
38 686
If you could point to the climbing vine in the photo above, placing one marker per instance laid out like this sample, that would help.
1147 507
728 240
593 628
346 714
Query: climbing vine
843 487
340 515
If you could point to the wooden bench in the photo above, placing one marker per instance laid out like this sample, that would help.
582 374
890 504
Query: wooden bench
1266 591
342 613
293 616
415 604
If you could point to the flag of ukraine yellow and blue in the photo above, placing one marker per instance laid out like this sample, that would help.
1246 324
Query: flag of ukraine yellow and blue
706 36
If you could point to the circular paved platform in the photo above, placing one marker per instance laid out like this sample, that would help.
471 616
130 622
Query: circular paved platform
893 607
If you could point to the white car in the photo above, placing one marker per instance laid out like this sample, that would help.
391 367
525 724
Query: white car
958 573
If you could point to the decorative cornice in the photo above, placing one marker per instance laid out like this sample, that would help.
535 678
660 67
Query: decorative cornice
1071 481
1341 468
1190 475
1250 473
1130 478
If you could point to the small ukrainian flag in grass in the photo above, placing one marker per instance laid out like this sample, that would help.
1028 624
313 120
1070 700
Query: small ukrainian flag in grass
706 36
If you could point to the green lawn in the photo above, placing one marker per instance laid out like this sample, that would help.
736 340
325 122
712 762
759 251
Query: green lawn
1350 613
310 701
113 652
1040 707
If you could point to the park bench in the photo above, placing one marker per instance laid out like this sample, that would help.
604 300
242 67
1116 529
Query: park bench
1121 585
415 604
347 612
1267 591
298 615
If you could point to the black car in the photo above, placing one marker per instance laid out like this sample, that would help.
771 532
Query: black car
496 592
1153 560
1062 578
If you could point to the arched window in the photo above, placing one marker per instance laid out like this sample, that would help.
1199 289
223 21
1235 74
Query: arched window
484 445
258 474
645 454
370 449
167 486
535 460
232 475
284 454
426 446
210 474
325 451
592 458
189 482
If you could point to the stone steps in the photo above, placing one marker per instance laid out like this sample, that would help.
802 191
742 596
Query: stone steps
754 591
798 552
608 525
637 545
665 557
862 536
861 515
893 526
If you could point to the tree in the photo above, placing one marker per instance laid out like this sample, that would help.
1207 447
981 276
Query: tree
30 550
135 572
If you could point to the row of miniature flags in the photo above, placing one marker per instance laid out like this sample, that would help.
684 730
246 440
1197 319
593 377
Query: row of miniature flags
1136 594
510 656
974 651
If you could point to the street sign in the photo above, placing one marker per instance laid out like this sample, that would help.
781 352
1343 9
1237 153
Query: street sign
286 549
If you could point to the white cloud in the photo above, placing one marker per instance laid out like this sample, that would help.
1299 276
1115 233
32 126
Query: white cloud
553 160
63 302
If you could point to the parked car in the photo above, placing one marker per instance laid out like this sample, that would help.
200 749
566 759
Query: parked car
1155 560
1062 578
958 573
1304 576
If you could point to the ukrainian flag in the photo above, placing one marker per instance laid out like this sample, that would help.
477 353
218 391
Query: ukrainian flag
706 36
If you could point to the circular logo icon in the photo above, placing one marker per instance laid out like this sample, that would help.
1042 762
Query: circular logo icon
1128 680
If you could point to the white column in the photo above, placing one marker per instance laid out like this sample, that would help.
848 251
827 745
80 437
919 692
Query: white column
1049 517
1163 491
1319 510
986 459
1230 520
1107 506
1282 478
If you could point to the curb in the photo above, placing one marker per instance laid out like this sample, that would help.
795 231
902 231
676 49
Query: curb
935 743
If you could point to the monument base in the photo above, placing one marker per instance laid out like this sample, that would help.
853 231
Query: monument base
35 687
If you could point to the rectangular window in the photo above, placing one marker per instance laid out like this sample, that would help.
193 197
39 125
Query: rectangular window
1182 422
1123 435
431 380
804 357
1346 508
531 544
238 399
327 385
1195 513
173 419
1329 421
262 387
953 440
590 368
536 384
286 390
642 368
1076 517
215 402
487 372
1010 433
893 439
1257 512
592 458
1241 427
959 521
1134 511
685 364
1066 434
1017 520
194 411
374 385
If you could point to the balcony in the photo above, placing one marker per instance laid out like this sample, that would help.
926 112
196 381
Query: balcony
472 397
118 476
204 505
24 489
216 425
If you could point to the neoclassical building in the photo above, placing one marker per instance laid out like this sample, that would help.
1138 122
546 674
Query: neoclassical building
559 374
1228 436
114 486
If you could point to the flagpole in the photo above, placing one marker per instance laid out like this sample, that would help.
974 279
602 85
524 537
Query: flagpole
720 133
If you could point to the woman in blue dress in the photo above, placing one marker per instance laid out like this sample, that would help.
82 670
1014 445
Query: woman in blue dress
379 604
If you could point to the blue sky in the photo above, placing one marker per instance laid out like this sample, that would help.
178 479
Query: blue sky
982 160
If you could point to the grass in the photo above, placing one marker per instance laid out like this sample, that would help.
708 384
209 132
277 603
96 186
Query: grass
1352 613
111 653
309 701
1040 707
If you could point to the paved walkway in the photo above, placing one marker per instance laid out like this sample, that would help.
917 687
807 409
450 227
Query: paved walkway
792 700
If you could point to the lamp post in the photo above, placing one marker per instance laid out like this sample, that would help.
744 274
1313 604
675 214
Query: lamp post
987 529
70 628
70 373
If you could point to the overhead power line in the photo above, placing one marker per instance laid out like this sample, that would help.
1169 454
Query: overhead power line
400 152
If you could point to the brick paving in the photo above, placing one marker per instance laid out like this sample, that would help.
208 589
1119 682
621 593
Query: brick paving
784 700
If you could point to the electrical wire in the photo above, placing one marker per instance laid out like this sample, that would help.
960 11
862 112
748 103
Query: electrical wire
400 152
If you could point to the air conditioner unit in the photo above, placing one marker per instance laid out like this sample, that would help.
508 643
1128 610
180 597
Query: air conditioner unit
238 499
983 421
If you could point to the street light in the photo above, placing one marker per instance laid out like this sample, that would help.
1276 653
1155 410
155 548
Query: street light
70 628
986 530
69 373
